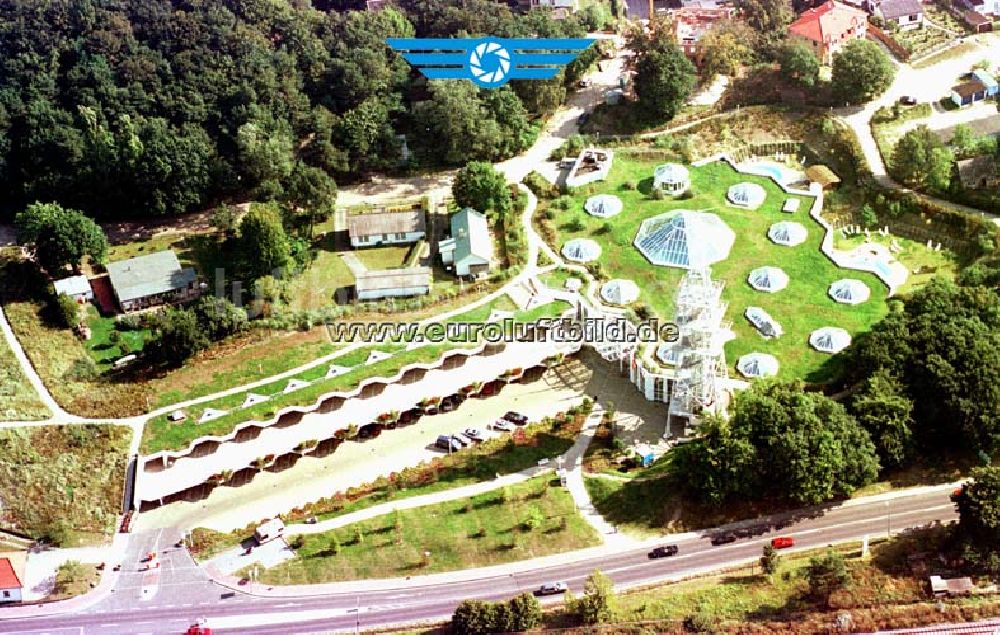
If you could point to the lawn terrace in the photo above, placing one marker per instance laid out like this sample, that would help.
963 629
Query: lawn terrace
719 226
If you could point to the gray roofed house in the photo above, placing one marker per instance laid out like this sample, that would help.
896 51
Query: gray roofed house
76 287
392 283
153 280
908 14
978 172
470 247
387 226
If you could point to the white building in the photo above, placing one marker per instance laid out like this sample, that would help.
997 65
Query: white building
76 287
671 178
11 575
269 530
470 248
592 165
387 227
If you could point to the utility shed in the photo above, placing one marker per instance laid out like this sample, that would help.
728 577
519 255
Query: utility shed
392 283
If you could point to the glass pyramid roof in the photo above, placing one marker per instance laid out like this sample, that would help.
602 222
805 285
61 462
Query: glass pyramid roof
763 322
746 194
768 279
830 339
788 233
686 239
603 205
581 250
849 291
620 291
757 365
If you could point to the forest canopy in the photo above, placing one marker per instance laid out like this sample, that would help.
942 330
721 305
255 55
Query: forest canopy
135 108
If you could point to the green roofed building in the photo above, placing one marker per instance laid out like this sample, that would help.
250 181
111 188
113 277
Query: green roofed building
470 248
149 281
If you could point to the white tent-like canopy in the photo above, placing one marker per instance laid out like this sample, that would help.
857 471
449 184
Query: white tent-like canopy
788 233
763 322
581 250
686 239
849 291
748 195
829 339
620 291
768 279
603 205
671 178
755 365
668 354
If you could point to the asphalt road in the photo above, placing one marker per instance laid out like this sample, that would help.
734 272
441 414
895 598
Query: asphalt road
184 594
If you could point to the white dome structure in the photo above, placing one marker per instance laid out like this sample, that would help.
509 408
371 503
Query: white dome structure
849 291
829 339
603 205
755 365
788 233
768 279
686 239
668 354
581 250
748 195
620 291
763 322
671 178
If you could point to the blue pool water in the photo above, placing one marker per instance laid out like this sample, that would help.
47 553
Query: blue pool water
772 171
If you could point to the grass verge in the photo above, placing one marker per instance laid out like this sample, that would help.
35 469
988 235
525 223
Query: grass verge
18 399
528 520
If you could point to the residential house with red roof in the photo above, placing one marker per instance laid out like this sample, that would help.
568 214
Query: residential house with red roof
829 27
11 573
691 23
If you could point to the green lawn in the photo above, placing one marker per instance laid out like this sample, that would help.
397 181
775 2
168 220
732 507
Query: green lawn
18 399
914 255
387 257
161 434
800 308
483 530
100 346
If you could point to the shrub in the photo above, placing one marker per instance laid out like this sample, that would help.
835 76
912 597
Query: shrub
68 310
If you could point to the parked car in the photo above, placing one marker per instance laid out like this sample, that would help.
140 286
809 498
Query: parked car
907 100
551 588
474 434
783 542
582 119
663 552
583 83
723 538
744 533
448 442
461 438
516 418
503 425
447 405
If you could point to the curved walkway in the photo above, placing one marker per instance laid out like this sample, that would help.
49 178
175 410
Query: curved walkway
29 371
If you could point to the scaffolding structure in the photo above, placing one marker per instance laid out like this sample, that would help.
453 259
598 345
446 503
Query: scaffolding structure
701 360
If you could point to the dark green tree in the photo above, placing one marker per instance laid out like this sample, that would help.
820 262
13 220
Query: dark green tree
920 159
861 72
597 604
725 48
769 560
178 336
664 77
219 317
979 518
59 237
524 613
311 194
482 187
827 574
261 243
68 311
883 408
799 62
473 617
769 18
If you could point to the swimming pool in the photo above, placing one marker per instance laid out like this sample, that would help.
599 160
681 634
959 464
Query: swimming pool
776 171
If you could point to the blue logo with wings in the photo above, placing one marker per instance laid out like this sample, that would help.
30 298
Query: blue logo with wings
489 62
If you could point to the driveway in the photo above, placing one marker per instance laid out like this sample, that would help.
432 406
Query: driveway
983 118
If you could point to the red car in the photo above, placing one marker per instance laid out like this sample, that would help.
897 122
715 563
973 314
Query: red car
783 542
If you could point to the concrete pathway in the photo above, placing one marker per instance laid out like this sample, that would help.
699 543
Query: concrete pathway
573 462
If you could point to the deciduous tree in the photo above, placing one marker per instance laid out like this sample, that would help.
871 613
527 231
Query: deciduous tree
861 71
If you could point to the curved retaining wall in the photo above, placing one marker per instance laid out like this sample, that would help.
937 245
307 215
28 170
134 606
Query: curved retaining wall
187 472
